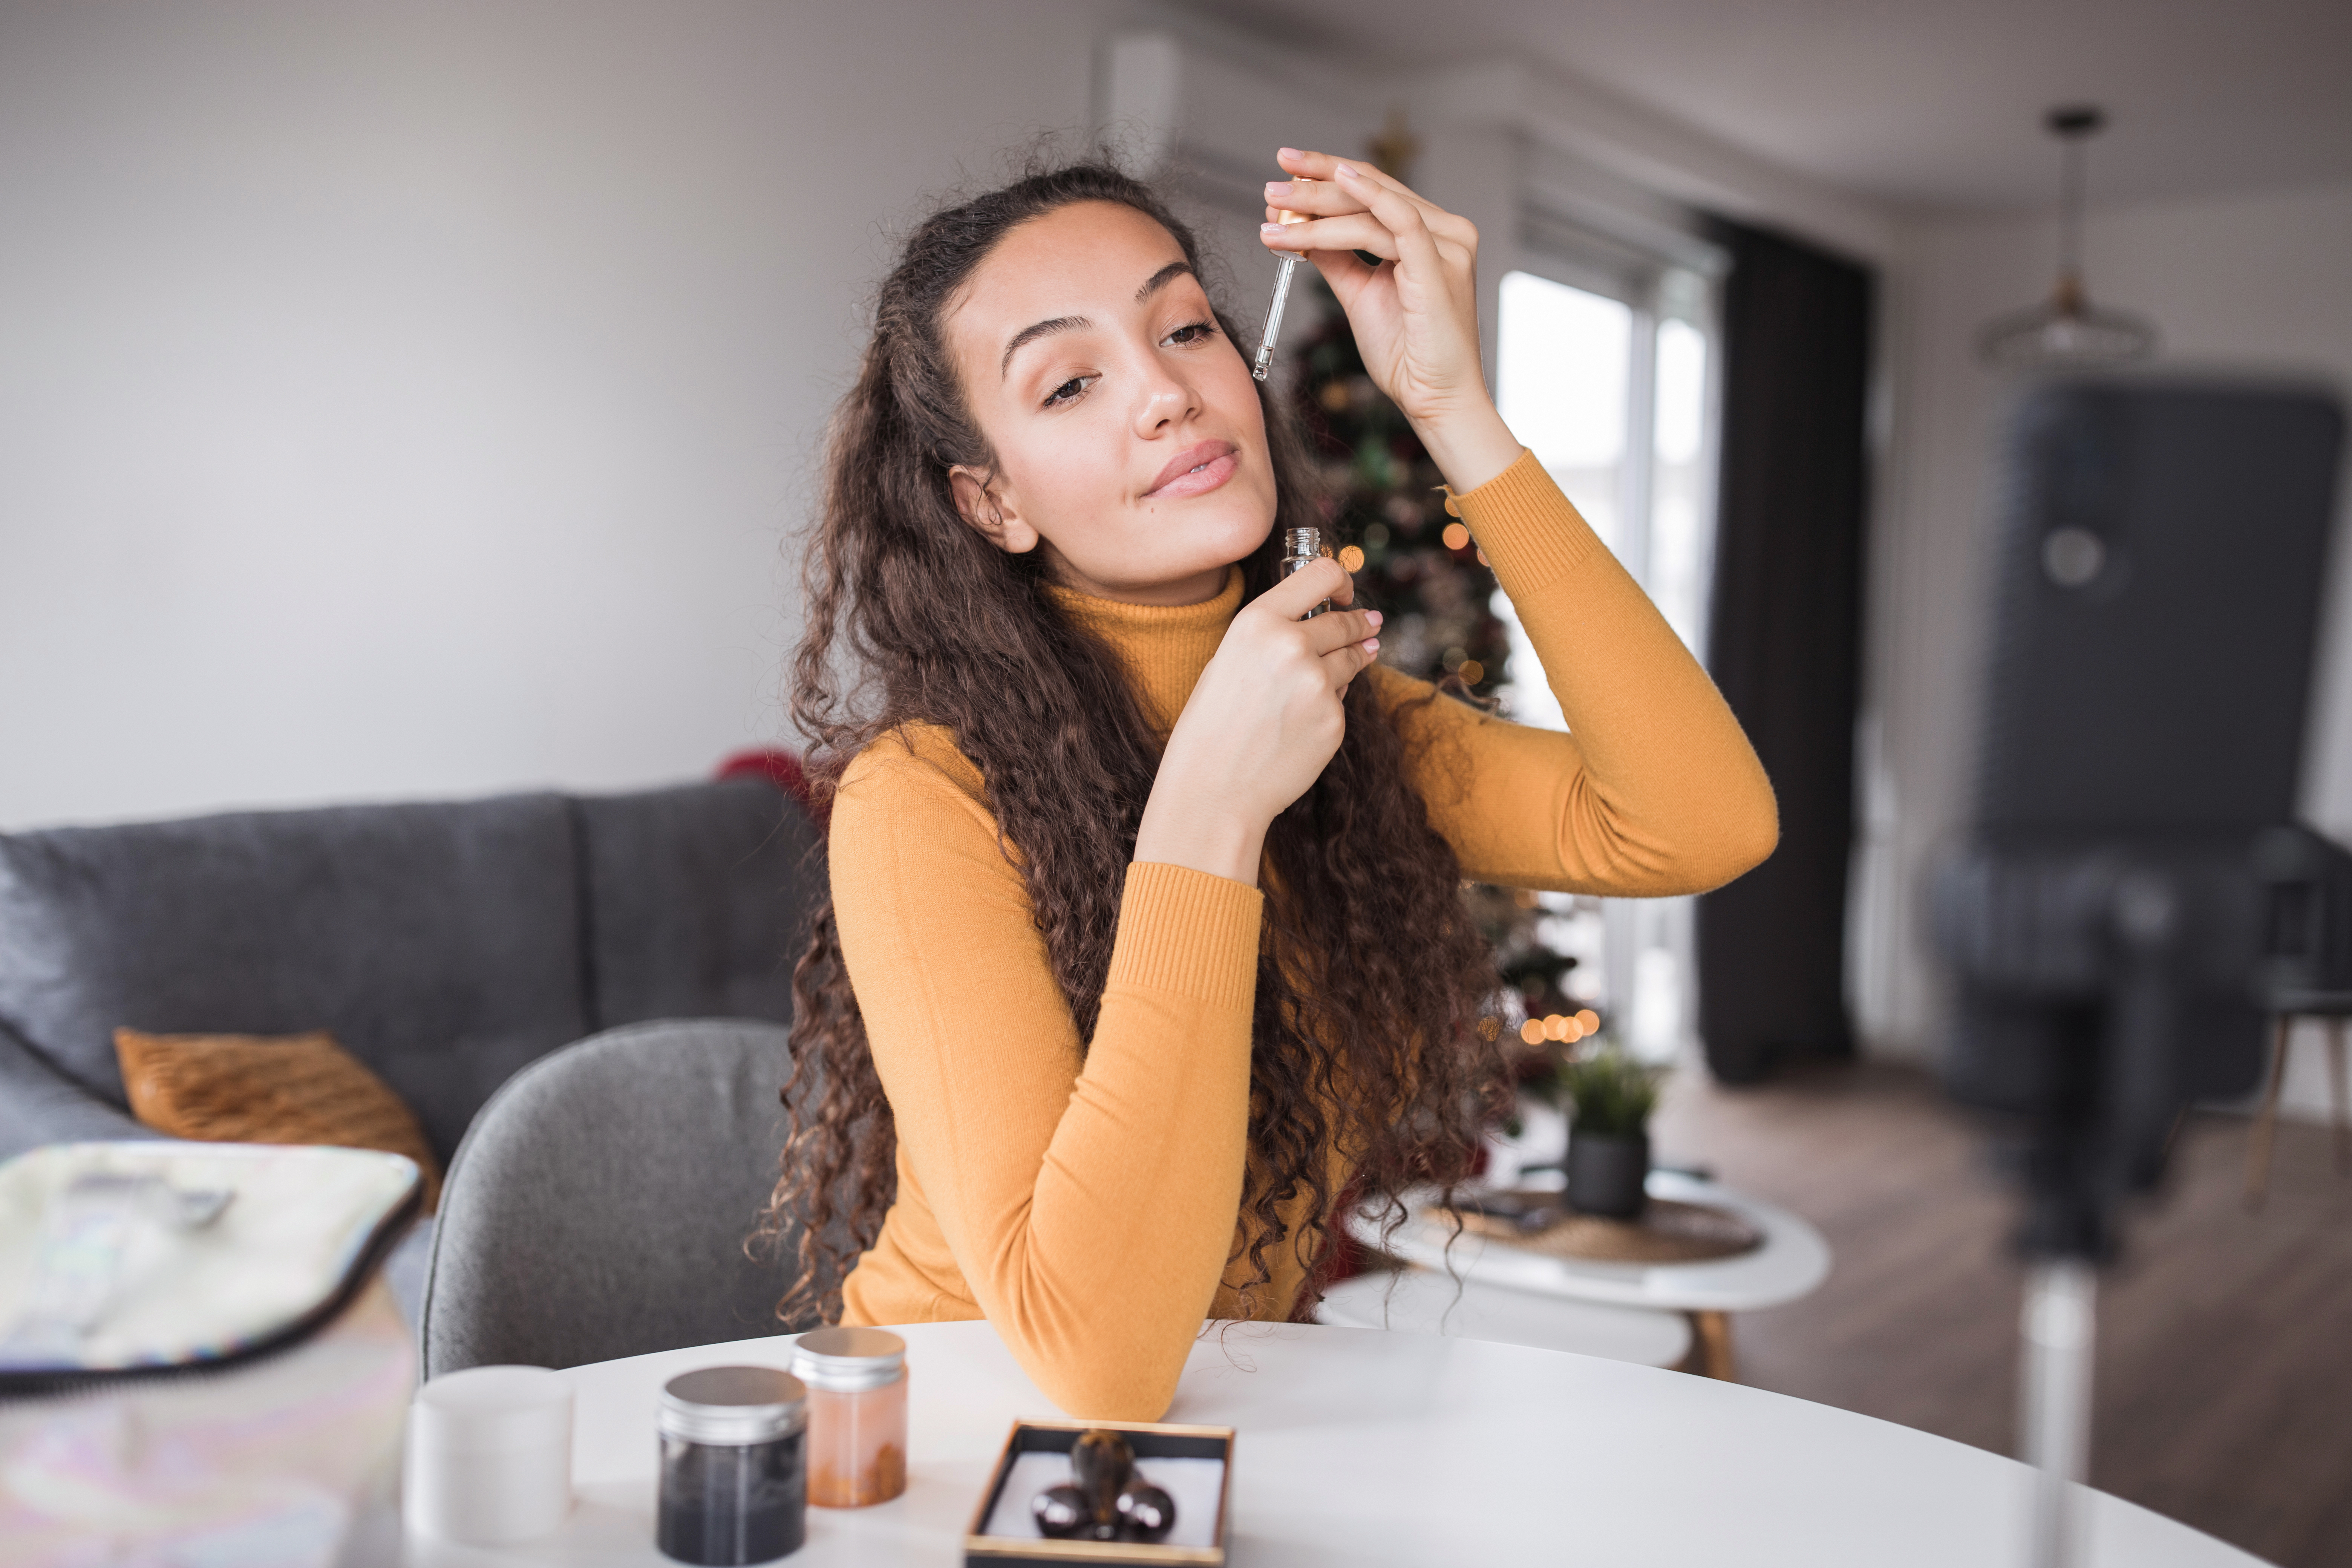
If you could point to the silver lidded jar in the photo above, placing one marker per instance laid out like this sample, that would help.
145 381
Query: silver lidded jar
1301 548
734 1473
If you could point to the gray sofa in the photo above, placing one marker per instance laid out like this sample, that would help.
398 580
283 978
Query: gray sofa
445 944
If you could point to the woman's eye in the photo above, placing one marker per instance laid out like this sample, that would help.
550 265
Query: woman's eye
1068 391
1193 332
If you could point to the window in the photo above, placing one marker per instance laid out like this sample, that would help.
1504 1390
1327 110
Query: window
1610 386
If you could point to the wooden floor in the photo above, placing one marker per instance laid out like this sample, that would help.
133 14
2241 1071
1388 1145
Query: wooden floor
2224 1394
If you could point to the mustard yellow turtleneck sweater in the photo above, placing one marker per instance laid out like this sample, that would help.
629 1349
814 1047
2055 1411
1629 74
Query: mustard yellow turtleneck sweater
1087 1202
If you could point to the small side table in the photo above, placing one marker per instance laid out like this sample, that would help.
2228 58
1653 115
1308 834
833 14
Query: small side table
1791 1264
1416 1300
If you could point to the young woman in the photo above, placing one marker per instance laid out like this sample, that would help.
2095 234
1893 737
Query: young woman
1145 939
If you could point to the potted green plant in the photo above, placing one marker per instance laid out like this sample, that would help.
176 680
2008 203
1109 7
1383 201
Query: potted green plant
1608 1097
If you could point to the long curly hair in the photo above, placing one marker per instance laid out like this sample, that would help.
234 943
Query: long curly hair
1371 1032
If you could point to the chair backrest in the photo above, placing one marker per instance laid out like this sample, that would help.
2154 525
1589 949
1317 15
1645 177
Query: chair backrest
599 1204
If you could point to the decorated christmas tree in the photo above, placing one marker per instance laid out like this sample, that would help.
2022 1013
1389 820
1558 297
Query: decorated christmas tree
1418 566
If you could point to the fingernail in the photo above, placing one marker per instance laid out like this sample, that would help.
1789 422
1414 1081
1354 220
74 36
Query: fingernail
1277 187
1269 228
1373 615
1372 645
1288 152
1348 172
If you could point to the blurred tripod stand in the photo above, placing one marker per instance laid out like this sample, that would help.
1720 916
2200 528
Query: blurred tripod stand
2125 913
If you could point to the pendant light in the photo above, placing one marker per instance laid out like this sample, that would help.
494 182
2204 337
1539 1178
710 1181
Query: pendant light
2065 330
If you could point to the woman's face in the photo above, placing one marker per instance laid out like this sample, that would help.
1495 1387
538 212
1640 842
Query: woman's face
1129 444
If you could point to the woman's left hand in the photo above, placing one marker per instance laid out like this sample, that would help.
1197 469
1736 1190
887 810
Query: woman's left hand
1415 316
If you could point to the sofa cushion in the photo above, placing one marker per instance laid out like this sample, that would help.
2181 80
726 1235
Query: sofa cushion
696 897
269 1088
439 942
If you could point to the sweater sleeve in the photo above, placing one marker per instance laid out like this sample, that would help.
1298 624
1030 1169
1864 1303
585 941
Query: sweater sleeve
1655 789
1088 1200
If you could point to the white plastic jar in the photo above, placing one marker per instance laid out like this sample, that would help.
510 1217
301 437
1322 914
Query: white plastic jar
490 1455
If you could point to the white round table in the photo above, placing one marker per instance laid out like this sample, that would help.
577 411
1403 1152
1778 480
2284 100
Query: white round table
1791 1263
1356 1448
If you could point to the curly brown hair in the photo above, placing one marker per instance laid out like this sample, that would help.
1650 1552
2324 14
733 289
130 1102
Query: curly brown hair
1372 1034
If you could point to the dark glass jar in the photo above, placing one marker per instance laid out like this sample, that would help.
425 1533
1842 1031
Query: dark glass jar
734 1474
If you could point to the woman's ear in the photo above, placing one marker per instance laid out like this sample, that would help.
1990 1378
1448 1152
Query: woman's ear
999 524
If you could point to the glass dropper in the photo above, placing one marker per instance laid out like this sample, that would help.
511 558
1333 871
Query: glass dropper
1264 362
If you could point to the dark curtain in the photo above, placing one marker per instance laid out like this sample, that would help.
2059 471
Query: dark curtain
1786 641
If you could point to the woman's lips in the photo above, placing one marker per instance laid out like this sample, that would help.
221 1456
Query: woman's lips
1197 472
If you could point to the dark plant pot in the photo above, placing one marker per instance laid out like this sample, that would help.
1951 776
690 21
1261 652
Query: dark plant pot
1607 1172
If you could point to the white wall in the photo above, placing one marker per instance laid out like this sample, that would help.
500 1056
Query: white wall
2255 282
410 400
413 400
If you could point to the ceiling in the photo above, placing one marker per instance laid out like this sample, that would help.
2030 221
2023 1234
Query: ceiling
1931 104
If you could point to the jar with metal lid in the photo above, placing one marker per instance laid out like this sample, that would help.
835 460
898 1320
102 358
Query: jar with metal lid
734 1484
857 1414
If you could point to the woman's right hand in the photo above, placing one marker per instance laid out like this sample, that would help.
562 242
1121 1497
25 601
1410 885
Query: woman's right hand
1262 722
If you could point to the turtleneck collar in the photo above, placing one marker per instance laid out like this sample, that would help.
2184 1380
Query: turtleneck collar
1163 647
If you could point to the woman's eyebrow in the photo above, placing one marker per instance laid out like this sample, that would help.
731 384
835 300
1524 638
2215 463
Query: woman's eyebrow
1029 334
1152 285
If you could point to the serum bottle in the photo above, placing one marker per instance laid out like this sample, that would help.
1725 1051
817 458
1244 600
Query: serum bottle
1301 548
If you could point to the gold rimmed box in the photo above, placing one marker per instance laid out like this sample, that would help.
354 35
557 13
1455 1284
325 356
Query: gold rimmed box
1151 1440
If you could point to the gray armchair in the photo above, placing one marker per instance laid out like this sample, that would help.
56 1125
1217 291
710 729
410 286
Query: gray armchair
600 1202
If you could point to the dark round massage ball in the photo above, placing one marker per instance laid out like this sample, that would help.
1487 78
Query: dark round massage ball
1145 1512
1062 1512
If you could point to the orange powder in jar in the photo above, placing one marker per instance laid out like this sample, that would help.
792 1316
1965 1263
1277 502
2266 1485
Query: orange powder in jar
856 1379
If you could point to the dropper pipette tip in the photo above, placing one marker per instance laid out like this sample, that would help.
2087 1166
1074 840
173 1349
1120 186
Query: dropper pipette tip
1265 339
1264 361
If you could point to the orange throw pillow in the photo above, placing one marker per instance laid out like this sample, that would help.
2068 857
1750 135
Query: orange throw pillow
269 1088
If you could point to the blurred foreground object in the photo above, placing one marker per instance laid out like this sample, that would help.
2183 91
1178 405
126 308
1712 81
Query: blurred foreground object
140 1258
2065 330
292 1461
2135 896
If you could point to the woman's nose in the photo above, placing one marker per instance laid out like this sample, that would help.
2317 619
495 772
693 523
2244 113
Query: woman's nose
1165 399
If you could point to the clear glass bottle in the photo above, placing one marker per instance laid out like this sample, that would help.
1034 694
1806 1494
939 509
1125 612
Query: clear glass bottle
734 1483
1301 548
857 1414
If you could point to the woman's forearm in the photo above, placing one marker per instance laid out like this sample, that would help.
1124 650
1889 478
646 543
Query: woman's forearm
1470 445
1655 791
1190 822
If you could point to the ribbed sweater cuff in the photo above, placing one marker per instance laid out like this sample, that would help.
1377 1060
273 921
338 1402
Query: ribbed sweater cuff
1186 931
1528 528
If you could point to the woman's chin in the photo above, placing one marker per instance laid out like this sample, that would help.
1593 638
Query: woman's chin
1184 548
1224 534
